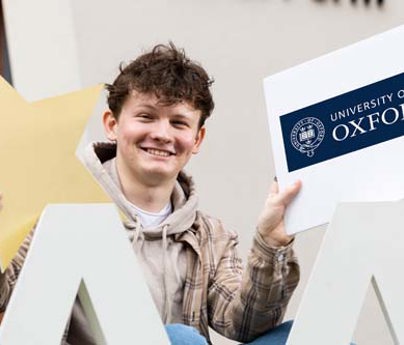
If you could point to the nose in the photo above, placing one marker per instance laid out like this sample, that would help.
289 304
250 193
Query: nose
161 132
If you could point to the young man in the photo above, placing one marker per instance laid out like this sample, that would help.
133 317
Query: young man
157 110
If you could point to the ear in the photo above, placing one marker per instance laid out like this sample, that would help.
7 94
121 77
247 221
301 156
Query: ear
199 139
110 125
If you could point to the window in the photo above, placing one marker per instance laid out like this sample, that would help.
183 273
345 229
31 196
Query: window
4 61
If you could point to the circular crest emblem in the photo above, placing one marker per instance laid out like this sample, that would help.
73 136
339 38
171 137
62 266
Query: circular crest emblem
307 135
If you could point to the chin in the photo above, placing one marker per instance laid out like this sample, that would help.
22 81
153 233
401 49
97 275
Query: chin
159 174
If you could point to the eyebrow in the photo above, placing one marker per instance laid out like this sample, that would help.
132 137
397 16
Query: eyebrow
182 116
145 105
185 115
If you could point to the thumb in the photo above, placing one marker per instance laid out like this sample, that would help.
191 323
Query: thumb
290 192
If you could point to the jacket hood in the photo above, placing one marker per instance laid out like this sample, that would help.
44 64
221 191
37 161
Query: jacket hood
161 256
183 198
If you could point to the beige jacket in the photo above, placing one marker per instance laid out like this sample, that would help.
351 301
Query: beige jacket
216 292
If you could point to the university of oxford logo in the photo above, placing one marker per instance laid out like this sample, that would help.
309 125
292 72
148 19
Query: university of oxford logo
307 135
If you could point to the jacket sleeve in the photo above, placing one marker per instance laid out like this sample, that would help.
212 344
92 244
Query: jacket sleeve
243 306
9 277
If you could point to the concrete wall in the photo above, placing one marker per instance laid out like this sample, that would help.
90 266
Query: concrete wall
239 42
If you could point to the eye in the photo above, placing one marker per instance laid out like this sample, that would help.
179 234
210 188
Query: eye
145 117
180 123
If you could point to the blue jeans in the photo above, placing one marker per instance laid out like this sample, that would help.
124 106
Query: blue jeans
185 335
276 336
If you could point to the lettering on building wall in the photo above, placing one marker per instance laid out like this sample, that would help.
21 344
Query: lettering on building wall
378 3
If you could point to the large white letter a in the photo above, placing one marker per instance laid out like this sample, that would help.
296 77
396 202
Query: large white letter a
363 243
81 248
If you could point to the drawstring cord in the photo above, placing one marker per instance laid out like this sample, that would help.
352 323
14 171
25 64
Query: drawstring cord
136 236
135 228
167 303
137 232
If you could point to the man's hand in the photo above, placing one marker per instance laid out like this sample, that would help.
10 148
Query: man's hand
270 222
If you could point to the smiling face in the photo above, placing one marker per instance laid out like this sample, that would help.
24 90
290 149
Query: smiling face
154 140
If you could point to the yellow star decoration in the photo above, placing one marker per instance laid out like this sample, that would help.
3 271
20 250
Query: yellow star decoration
38 162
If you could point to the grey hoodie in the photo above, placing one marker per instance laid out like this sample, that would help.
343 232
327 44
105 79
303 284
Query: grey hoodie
162 258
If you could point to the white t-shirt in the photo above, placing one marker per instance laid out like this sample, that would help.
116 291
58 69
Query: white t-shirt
153 219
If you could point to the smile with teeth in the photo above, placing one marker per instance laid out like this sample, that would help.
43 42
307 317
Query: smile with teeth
156 152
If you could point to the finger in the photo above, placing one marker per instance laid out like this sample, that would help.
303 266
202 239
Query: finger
274 189
290 192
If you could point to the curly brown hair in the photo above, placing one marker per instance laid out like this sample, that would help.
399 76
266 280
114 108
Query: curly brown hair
169 74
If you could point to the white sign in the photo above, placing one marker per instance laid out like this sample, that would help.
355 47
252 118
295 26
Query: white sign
337 124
